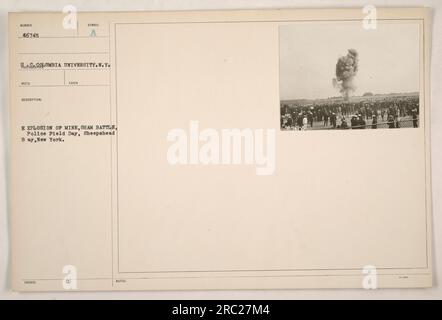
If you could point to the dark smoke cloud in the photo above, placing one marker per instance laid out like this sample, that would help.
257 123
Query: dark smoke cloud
346 70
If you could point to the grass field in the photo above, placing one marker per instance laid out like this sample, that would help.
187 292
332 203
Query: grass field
354 99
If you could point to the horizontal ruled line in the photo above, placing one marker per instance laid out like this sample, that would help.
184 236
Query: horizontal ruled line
238 276
67 85
63 37
62 52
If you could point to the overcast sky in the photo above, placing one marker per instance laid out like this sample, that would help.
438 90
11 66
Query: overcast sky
388 58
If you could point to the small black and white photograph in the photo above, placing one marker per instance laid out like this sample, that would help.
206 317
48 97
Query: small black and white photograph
342 75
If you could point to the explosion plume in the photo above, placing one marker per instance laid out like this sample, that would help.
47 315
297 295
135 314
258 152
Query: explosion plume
346 70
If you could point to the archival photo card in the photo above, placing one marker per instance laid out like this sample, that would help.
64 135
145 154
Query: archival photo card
349 75
148 151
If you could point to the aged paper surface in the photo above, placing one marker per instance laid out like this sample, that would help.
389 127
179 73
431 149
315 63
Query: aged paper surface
158 151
